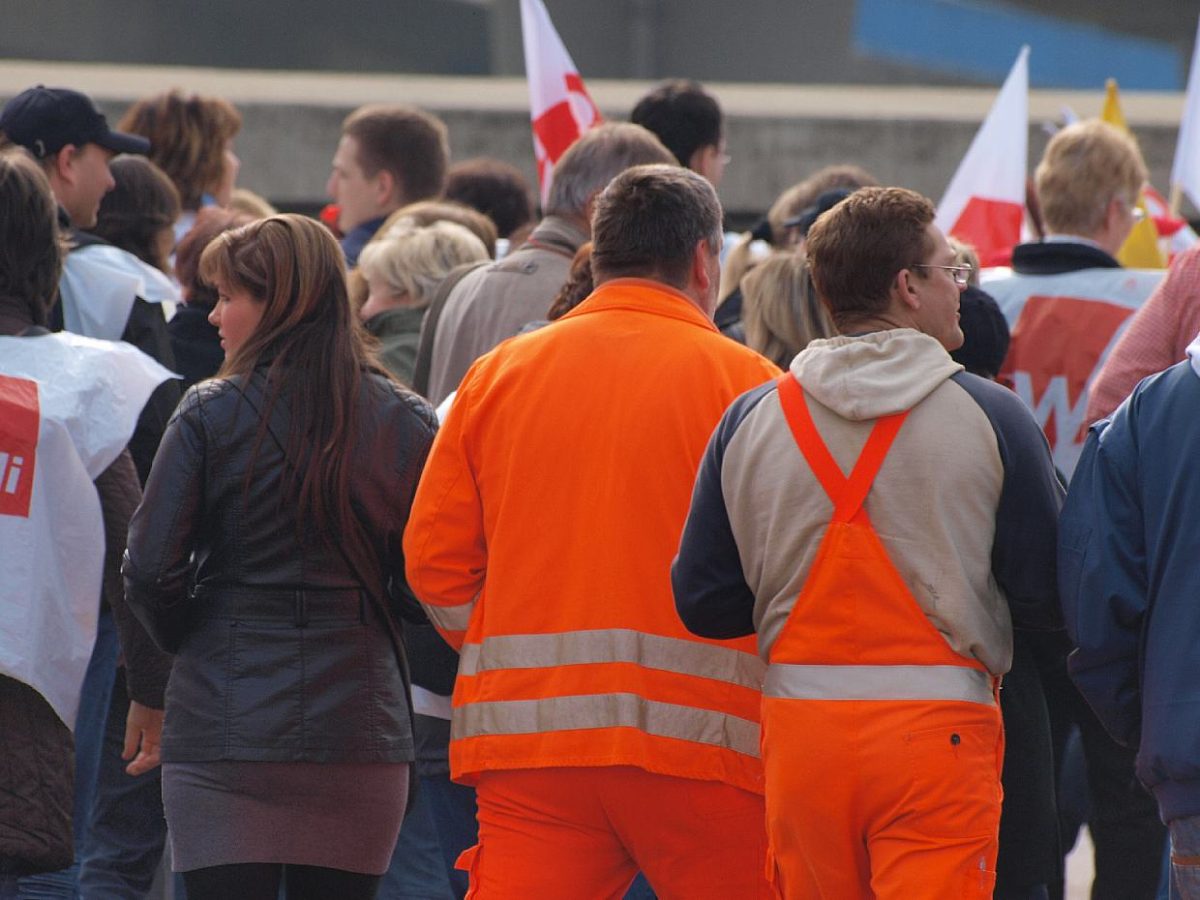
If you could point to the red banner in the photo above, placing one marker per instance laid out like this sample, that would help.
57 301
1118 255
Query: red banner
20 421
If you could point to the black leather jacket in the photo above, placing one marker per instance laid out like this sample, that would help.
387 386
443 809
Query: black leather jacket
281 652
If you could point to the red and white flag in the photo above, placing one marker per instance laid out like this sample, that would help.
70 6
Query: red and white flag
559 104
985 202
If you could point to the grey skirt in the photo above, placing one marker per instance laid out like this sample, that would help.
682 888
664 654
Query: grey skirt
337 815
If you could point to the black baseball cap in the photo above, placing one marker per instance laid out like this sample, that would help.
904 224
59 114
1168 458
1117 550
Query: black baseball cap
823 203
44 120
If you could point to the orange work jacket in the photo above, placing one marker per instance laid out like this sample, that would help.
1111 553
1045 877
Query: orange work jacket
542 535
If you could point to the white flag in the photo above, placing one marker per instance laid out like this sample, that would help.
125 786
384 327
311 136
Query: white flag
68 406
985 202
1185 173
559 105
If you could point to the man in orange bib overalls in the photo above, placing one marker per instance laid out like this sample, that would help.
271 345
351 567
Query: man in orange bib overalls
883 599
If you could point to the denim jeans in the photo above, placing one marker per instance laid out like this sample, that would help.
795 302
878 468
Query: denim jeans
124 842
89 739
418 869
1185 858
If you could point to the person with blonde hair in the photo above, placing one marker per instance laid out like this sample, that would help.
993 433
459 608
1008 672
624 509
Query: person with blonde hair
781 311
402 271
244 200
1067 300
266 556
1088 182
191 139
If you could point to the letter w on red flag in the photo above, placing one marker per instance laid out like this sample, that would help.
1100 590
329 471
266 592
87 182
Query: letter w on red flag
20 421
1058 343
559 104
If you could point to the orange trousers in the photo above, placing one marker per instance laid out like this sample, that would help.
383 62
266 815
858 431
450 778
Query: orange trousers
892 800
584 833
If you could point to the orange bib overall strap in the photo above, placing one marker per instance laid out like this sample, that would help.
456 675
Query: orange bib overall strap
855 610
847 494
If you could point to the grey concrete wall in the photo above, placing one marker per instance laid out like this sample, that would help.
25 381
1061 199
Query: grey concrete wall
715 40
776 134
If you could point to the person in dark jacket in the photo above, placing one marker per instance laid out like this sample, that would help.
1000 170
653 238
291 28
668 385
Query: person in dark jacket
1128 579
132 238
1066 301
267 556
72 143
1030 859
36 777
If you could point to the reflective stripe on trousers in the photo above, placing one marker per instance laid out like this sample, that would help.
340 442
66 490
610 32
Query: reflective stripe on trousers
798 682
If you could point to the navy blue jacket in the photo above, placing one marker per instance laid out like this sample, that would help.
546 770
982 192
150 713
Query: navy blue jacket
1129 579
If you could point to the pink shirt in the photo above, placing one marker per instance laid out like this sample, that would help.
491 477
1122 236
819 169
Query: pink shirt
1157 336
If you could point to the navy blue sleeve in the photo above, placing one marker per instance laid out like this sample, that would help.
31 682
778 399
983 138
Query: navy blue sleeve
711 594
1102 575
1024 548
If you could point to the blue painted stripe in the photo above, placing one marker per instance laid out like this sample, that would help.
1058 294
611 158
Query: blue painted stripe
980 40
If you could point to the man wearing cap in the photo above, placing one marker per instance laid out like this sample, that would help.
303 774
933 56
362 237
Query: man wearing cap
70 138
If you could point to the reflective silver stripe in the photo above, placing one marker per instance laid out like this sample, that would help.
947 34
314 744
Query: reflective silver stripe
450 618
619 645
878 683
587 711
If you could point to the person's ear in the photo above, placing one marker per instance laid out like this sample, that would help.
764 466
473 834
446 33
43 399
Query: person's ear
386 189
700 269
64 163
904 287
704 161
589 208
1115 213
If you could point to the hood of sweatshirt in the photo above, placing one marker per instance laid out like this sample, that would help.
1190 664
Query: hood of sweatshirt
866 376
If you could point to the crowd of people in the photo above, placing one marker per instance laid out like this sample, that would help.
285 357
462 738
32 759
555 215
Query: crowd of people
430 549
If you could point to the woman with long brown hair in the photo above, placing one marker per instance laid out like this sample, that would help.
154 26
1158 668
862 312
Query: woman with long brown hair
267 556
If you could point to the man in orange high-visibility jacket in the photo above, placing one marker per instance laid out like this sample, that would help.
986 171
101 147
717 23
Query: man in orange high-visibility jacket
881 519
603 738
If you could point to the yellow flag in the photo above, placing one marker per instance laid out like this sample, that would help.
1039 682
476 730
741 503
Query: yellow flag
1140 250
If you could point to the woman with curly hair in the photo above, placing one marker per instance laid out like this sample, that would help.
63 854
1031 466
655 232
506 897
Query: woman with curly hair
191 139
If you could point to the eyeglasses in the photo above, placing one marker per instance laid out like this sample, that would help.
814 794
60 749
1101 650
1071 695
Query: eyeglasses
960 274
